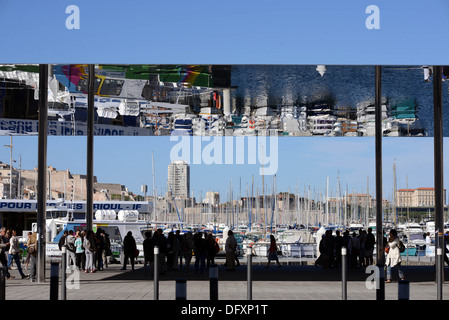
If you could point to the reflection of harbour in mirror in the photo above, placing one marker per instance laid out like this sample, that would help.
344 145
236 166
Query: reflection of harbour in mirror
240 100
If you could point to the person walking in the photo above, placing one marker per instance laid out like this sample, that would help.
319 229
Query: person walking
230 248
14 252
129 250
32 250
393 258
272 252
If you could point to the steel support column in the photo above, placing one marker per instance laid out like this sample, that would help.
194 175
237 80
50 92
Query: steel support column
42 170
90 149
438 171
380 292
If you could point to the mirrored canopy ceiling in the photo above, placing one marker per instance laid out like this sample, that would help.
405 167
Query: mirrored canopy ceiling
222 100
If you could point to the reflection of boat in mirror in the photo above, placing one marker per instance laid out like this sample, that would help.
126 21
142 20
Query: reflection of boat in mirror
322 124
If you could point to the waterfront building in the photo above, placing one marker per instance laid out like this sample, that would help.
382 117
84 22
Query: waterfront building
8 182
72 187
212 198
420 197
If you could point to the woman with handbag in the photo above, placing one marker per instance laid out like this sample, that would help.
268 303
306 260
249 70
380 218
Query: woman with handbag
393 258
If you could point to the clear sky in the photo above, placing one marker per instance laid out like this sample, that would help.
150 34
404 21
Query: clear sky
230 32
302 161
412 32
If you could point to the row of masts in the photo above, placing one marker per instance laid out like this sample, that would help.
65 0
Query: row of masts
306 211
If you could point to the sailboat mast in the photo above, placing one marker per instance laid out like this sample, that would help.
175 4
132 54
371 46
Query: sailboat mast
367 202
394 193
327 201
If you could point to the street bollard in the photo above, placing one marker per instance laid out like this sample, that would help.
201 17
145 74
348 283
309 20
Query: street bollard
2 283
404 290
344 274
54 280
213 278
181 289
380 292
249 256
63 273
156 273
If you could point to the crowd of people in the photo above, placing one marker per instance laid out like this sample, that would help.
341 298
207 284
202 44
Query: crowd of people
360 250
176 250
88 251
11 253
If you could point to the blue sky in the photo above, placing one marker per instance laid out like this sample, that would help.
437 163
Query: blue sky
229 32
302 161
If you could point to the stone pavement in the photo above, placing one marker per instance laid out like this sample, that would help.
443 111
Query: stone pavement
290 282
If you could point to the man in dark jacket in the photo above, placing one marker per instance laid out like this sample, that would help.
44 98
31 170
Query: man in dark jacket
129 250
148 251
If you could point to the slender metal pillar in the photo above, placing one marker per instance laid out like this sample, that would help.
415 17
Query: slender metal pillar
380 293
42 170
64 273
90 149
438 171
156 273
249 281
